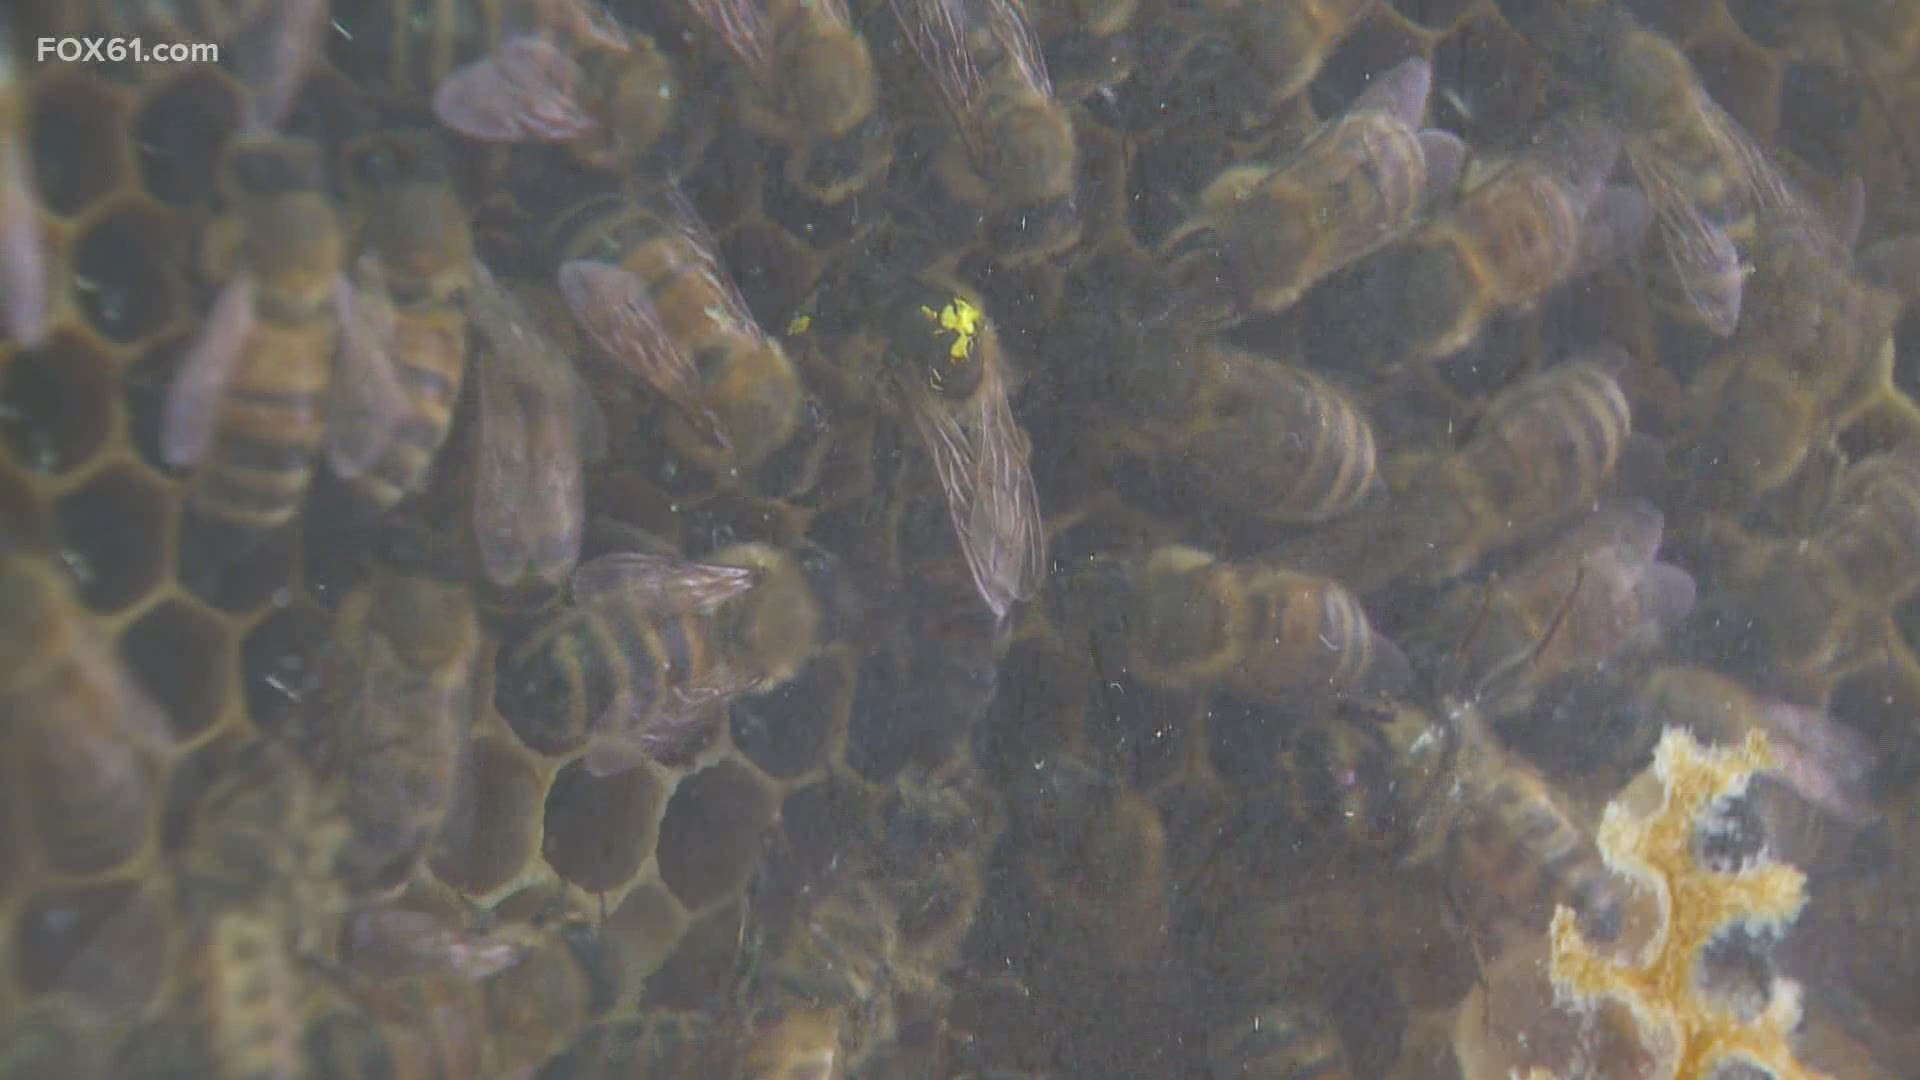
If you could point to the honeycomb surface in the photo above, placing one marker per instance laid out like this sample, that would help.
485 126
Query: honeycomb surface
1084 868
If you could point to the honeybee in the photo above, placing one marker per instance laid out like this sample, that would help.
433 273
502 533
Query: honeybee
644 283
1267 233
1262 630
1593 594
576 78
933 354
653 647
85 735
392 714
1351 785
825 994
1016 156
537 423
1816 603
1543 450
1287 41
1822 762
419 268
1511 853
1702 173
814 90
23 252
1094 854
263 839
1540 220
1269 440
253 998
250 403
402 1028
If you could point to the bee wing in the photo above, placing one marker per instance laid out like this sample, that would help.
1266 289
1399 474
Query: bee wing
280 52
1400 93
529 493
396 942
368 401
982 462
667 728
525 90
742 27
193 399
1703 256
936 29
1446 159
612 305
23 251
660 584
1014 34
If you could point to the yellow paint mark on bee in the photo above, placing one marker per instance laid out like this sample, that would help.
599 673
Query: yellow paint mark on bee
800 325
961 319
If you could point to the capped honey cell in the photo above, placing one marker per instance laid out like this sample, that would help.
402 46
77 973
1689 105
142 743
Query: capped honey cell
599 829
178 132
77 142
711 836
57 405
112 536
126 273
182 654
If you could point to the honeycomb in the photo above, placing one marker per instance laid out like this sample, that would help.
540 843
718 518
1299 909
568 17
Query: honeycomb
1130 870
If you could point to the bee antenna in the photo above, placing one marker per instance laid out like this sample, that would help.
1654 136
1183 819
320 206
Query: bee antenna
1560 616
1479 623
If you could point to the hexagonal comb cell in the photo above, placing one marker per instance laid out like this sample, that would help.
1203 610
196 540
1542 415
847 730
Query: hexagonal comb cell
105 943
178 133
710 837
599 829
276 665
77 140
233 572
789 731
125 273
181 653
490 831
700 970
643 930
112 536
1485 80
56 405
